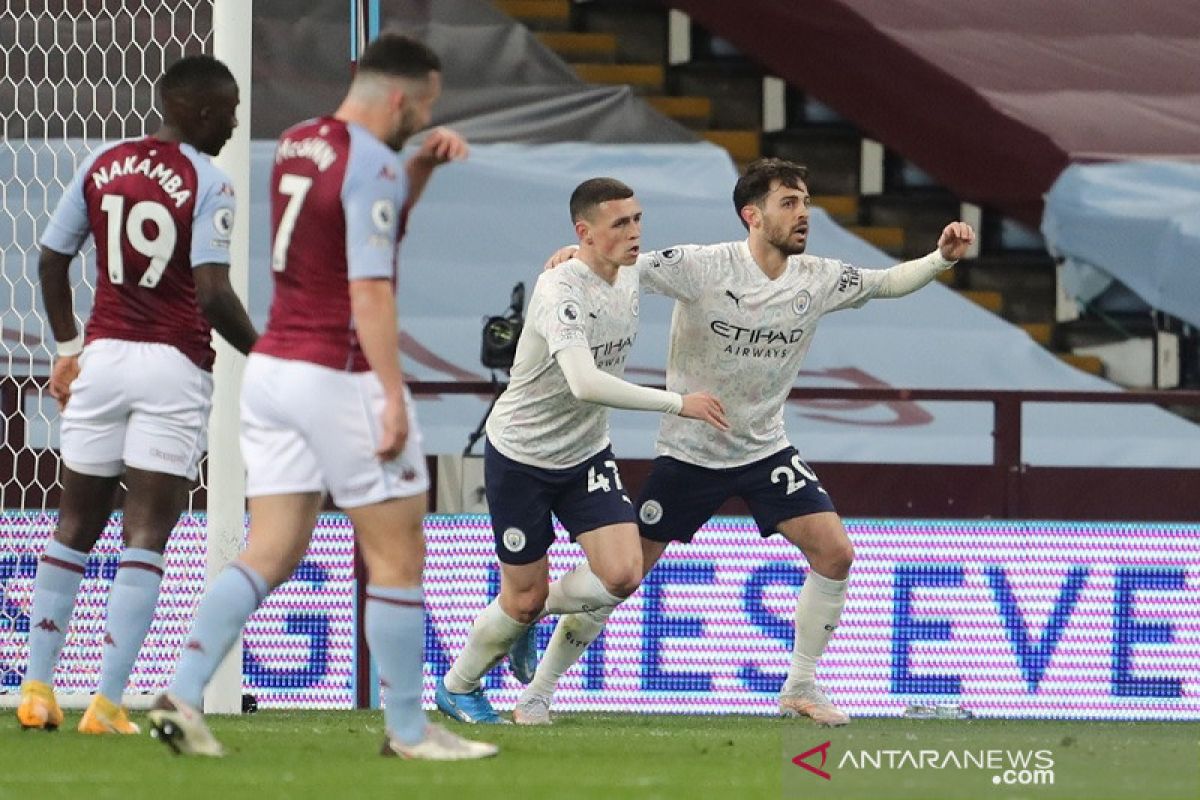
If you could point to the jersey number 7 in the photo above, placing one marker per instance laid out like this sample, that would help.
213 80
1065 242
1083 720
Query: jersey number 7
295 188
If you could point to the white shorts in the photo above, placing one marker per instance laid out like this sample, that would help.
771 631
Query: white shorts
308 428
136 404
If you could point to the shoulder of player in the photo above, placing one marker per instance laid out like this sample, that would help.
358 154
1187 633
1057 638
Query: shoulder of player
371 162
687 253
88 165
207 170
566 277
566 283
307 126
808 264
92 159
363 143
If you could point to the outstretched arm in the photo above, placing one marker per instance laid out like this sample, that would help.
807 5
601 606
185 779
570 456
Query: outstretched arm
440 146
593 385
906 278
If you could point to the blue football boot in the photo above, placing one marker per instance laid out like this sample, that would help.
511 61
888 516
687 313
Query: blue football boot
523 656
472 707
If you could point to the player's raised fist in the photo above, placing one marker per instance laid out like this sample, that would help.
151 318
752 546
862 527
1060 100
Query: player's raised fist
442 145
956 239
703 406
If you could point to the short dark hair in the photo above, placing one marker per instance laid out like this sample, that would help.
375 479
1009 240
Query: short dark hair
194 73
399 56
595 191
755 183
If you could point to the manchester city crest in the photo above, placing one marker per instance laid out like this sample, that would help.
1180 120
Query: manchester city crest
801 302
514 540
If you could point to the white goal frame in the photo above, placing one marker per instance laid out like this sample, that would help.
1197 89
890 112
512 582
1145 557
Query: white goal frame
231 42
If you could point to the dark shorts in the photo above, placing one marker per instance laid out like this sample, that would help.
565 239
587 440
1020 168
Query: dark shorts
678 497
521 497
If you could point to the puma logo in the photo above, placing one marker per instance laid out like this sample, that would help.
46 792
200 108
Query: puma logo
736 300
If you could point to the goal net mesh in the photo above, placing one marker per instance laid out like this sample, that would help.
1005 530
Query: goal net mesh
76 73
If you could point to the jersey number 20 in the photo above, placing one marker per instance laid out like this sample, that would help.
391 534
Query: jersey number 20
794 482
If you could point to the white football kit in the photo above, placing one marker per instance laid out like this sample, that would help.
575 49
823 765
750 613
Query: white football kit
742 337
538 421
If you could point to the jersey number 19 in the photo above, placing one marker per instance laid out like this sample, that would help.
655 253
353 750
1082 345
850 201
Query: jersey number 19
158 249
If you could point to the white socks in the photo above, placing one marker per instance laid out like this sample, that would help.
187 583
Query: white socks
579 590
572 635
818 611
491 636
585 605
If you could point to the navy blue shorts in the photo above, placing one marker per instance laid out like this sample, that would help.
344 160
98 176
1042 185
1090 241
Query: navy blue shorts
679 497
520 499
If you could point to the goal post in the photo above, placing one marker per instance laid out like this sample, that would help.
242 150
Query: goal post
232 43
79 75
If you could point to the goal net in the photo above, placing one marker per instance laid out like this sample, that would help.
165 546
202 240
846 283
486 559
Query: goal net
77 73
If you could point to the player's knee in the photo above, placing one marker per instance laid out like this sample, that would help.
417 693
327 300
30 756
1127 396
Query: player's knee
76 535
275 568
623 581
840 560
526 605
144 539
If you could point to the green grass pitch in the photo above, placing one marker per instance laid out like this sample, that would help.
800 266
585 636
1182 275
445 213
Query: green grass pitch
328 755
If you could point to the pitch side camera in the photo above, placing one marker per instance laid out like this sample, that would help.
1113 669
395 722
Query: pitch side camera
500 333
499 348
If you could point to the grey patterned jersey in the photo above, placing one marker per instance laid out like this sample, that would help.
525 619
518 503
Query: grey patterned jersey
742 337
537 420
